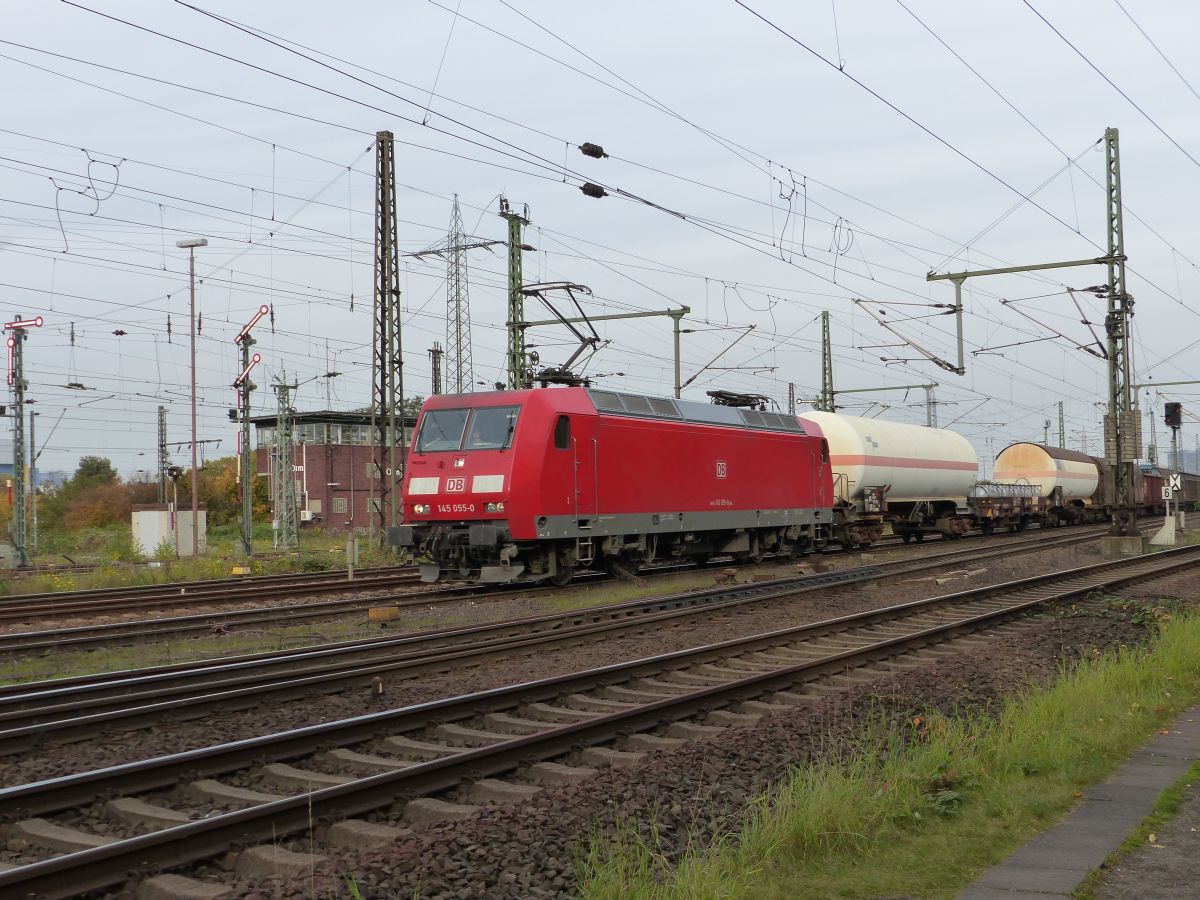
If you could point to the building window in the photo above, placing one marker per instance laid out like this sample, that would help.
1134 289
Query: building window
370 470
340 505
314 505
376 505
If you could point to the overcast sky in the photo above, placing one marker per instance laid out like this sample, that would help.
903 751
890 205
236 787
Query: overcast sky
776 187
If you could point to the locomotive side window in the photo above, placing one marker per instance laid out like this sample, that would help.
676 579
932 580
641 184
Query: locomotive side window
824 450
492 428
441 429
562 433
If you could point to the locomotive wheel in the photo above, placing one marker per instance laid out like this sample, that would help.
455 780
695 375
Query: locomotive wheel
920 536
562 576
619 568
906 537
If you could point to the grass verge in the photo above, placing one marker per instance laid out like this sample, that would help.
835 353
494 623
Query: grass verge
923 811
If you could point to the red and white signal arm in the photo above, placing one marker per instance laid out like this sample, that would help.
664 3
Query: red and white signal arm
25 323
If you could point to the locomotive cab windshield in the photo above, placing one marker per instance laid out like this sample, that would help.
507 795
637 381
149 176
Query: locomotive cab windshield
482 428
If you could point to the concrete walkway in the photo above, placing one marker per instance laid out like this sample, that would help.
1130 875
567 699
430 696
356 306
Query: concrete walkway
1054 863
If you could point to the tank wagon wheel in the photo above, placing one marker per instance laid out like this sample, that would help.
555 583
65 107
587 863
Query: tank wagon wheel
562 577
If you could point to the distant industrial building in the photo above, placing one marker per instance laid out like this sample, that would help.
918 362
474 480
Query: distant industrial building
335 472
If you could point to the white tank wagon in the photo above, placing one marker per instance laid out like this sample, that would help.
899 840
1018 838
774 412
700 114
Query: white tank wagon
1067 477
915 477
911 461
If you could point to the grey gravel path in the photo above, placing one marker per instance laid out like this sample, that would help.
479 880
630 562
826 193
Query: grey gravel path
1057 860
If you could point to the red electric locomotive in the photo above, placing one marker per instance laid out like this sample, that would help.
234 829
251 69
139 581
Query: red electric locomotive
533 484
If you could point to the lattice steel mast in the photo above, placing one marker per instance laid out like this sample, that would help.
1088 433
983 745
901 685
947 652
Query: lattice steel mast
826 403
516 299
164 460
387 361
460 368
284 499
1121 433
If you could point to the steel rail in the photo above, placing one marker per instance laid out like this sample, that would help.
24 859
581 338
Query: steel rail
104 866
58 639
86 704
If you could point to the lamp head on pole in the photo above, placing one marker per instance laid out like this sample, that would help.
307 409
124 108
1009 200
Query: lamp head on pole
190 243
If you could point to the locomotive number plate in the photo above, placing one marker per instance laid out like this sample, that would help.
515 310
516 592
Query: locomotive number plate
456 507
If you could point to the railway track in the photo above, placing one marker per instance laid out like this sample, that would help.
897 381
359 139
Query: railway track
75 708
171 627
110 601
165 812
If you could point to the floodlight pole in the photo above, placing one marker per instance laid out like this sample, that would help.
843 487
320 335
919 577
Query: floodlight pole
190 245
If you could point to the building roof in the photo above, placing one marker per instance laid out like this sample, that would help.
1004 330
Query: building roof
326 416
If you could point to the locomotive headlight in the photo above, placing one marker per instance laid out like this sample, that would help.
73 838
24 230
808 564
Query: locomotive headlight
421 508
495 507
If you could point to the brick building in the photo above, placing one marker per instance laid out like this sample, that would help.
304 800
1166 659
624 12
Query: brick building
334 468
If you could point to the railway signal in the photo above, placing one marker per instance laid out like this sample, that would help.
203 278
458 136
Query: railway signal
244 386
1173 414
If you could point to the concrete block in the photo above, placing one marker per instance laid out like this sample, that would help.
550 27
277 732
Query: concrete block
597 704
693 679
176 887
141 814
727 717
355 834
470 737
48 836
691 732
761 708
430 811
1117 546
652 742
790 697
364 762
269 861
507 724
550 774
418 750
209 791
659 687
492 790
290 778
637 698
1021 878
557 714
603 756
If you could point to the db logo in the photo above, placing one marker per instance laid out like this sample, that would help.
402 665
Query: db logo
456 485
722 469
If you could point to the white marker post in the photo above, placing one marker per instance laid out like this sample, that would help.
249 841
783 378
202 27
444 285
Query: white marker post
1166 535
1176 484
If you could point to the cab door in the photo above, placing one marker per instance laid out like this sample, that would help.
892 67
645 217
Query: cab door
569 474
